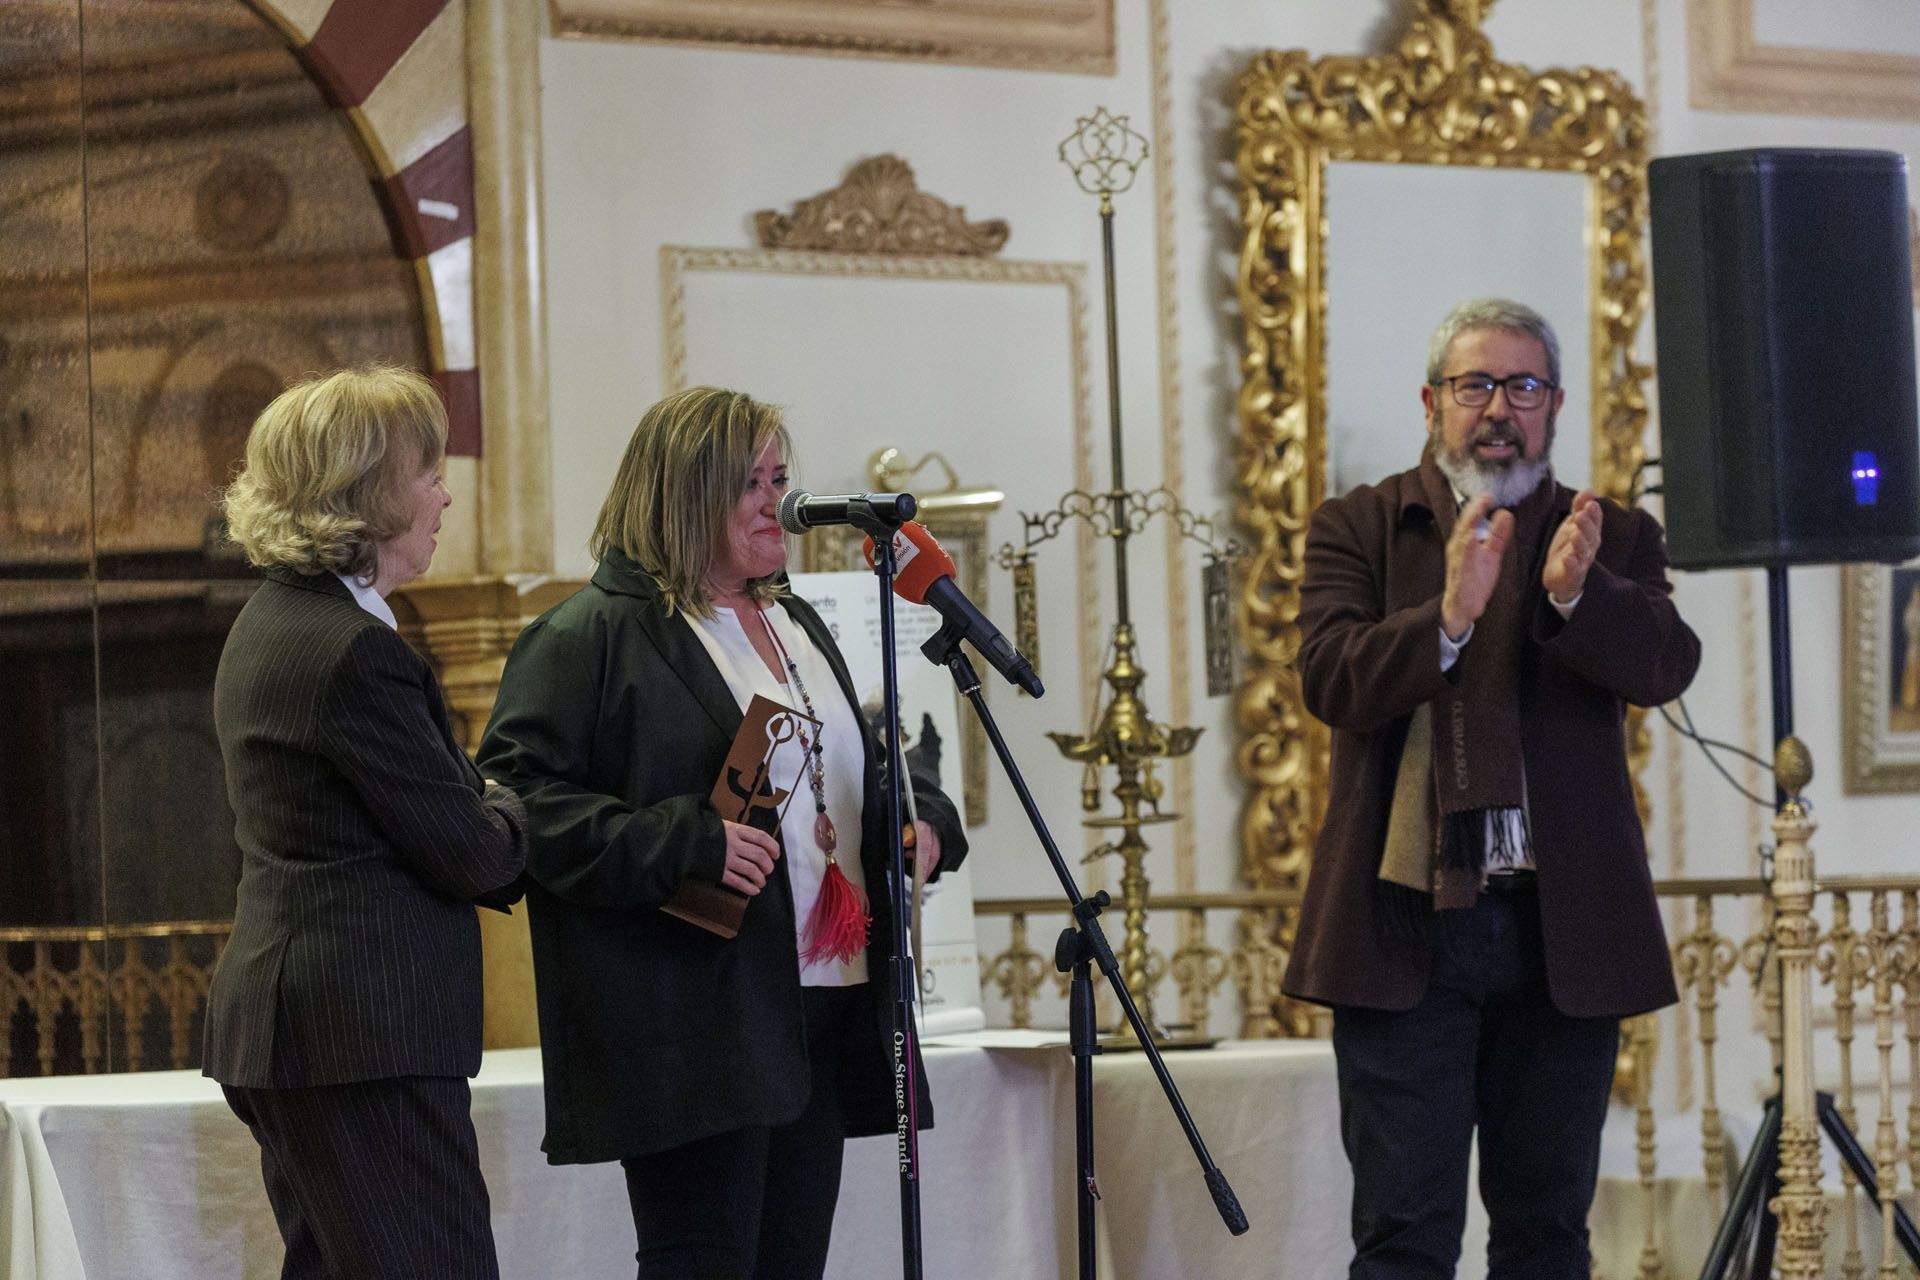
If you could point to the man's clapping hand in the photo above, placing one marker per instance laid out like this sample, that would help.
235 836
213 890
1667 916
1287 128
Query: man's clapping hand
1474 552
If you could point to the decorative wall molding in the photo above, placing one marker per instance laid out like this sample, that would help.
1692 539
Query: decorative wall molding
1173 471
1729 70
1713 60
1075 36
1672 743
880 209
677 262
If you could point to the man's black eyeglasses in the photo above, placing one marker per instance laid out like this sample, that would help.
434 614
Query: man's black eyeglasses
1475 390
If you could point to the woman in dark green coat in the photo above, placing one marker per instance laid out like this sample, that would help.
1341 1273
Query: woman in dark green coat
724 1074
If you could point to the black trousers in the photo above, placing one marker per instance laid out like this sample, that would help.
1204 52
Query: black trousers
753 1202
375 1179
1484 1048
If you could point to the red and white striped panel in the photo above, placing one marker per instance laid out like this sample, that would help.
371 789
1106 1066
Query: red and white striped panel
398 68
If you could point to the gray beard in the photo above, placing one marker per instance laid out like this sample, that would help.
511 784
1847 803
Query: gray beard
1508 483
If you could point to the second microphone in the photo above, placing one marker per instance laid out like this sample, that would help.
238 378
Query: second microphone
923 574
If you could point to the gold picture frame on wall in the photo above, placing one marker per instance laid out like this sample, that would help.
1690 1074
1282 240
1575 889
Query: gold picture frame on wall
1880 678
1440 98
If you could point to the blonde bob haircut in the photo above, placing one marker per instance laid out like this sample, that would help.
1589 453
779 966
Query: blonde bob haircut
685 468
328 467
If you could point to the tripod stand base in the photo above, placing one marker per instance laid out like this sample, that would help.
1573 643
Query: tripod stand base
1748 1231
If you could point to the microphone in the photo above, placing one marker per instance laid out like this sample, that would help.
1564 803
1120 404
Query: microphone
800 511
923 574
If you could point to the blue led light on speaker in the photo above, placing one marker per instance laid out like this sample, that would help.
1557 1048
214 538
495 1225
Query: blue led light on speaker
1866 479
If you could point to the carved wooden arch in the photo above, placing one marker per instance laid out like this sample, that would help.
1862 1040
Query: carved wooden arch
397 71
1441 97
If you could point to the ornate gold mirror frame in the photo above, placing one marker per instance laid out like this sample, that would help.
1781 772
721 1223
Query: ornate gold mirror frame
1440 98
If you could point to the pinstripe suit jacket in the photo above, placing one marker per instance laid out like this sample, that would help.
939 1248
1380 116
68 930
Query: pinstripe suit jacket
366 835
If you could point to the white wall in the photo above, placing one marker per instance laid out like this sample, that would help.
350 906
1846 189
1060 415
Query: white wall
650 145
1857 833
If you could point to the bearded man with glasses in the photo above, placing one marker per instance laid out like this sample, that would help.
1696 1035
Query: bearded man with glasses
1479 913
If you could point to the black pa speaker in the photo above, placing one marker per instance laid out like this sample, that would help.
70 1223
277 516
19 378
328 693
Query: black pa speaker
1783 298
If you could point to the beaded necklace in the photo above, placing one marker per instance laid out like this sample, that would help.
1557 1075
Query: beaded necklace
838 927
824 833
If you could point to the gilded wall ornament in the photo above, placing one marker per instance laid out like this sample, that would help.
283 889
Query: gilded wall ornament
880 209
1441 97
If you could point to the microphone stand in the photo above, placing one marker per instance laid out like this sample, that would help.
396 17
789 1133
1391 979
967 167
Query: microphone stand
906 1036
1081 947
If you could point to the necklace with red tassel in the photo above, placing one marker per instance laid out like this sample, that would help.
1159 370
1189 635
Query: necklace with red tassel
837 928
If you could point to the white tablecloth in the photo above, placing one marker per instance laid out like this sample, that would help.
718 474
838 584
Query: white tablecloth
149 1176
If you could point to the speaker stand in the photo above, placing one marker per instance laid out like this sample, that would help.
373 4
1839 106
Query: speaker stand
1748 1229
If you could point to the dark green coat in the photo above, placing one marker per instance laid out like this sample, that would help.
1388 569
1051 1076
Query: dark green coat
611 724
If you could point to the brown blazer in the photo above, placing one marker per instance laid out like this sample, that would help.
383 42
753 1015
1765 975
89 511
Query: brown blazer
1370 654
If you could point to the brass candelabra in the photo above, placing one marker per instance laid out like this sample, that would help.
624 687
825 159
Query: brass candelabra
1104 156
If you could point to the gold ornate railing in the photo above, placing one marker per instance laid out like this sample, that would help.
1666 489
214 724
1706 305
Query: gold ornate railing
1021 973
129 997
93 998
1750 956
1834 955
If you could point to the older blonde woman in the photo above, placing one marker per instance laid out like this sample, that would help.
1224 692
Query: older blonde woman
723 1073
344 1018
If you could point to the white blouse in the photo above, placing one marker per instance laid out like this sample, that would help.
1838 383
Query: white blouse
844 757
369 599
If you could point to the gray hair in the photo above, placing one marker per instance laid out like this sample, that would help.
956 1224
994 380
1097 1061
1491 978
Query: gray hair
1493 313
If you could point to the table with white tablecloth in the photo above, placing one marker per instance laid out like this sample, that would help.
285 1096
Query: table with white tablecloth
149 1177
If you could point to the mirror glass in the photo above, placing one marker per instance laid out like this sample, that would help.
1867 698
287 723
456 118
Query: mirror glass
1405 243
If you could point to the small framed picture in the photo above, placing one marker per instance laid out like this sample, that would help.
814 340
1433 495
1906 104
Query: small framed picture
1880 677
